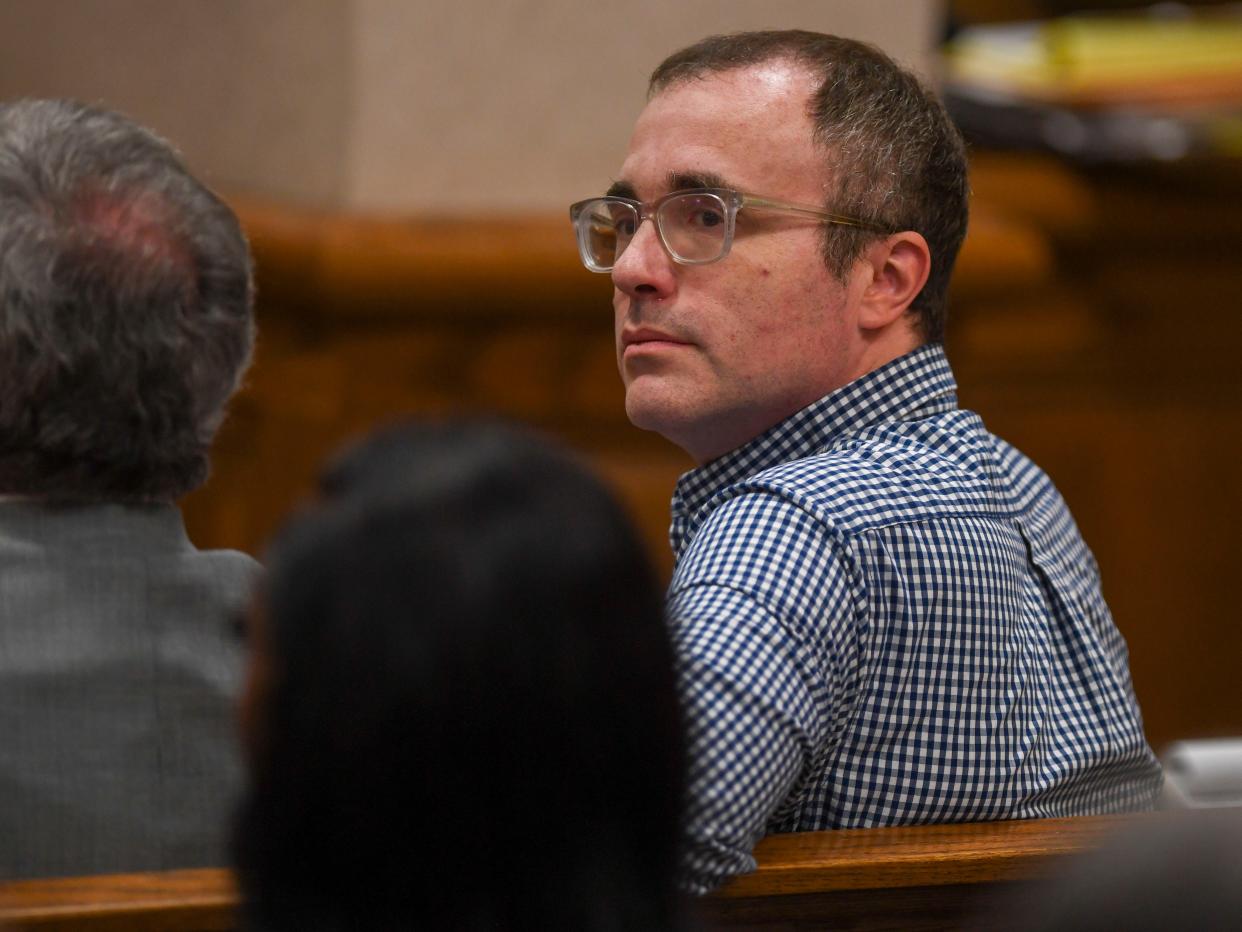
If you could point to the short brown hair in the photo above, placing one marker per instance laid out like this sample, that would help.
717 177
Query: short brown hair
897 158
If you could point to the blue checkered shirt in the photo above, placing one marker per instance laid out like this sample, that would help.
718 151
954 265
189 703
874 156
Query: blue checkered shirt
884 615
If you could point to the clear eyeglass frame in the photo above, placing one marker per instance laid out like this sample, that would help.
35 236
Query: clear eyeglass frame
597 219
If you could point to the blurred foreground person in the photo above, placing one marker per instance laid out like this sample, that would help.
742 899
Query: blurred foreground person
1173 870
460 711
125 325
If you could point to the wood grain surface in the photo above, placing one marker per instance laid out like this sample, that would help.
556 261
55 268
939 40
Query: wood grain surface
170 901
920 877
915 856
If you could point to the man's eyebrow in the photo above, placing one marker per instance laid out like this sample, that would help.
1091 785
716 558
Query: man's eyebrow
677 181
682 181
622 189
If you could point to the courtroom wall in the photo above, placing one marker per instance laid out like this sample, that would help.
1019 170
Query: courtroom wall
436 106
254 92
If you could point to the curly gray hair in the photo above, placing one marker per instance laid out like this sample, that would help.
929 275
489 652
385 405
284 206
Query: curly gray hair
126 308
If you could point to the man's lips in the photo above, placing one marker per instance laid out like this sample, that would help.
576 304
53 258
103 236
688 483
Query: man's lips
645 337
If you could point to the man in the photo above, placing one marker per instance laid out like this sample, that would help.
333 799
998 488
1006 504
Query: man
883 614
126 322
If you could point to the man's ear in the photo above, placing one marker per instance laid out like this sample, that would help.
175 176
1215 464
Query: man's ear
898 265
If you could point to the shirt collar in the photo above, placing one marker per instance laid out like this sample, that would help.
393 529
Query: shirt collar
98 524
914 386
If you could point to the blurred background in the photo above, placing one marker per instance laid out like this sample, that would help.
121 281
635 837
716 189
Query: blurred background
403 170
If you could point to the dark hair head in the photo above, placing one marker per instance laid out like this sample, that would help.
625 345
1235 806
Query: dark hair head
125 308
895 156
471 716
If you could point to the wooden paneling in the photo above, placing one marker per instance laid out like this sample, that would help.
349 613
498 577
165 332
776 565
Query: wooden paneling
365 320
1095 321
1121 378
172 901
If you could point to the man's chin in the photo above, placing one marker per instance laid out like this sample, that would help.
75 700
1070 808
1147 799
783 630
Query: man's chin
652 410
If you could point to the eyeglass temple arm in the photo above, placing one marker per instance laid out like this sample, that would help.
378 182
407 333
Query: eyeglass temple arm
763 203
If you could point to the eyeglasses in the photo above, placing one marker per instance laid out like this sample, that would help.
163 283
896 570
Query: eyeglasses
695 226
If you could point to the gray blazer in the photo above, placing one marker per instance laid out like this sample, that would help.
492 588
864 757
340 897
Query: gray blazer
118 674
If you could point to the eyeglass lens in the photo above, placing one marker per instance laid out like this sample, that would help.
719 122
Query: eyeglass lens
606 229
694 227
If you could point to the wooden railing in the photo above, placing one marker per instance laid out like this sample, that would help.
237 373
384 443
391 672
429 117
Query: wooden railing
923 877
169 901
918 877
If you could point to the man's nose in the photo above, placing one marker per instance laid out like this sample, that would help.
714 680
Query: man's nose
645 269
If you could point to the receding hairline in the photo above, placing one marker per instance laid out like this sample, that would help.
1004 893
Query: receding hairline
658 85
800 66
725 52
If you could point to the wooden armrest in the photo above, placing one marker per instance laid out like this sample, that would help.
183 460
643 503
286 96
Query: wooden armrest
896 876
920 855
920 877
170 901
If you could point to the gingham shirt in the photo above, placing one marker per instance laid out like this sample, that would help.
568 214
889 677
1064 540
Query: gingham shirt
885 615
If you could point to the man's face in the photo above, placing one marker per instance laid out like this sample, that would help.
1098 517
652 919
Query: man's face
713 355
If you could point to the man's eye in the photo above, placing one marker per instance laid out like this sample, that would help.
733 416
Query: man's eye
700 213
621 221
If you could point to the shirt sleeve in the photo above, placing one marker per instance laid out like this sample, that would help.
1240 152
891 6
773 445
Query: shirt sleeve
760 607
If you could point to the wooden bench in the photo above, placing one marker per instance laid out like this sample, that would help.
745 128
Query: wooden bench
917 877
169 901
923 877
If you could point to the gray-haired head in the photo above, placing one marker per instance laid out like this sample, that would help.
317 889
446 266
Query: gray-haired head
126 309
896 157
